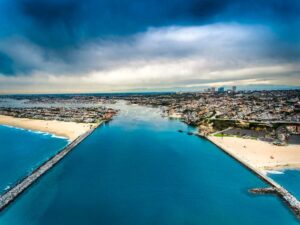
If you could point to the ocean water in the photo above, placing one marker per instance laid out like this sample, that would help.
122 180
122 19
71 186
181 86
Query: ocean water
290 179
138 169
21 151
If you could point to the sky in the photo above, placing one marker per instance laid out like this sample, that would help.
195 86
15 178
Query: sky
74 46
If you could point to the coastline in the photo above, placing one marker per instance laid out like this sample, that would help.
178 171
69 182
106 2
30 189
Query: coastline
69 130
292 202
261 155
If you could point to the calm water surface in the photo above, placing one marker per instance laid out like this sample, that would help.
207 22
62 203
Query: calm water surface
21 151
137 170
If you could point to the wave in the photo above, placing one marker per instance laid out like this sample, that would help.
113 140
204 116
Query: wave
56 136
4 125
7 187
275 172
44 133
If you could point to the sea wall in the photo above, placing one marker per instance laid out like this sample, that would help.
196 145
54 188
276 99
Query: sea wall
10 195
292 202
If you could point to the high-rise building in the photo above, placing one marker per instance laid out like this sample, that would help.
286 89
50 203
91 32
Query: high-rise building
213 89
221 89
233 88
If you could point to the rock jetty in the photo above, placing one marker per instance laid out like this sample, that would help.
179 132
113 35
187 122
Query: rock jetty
10 195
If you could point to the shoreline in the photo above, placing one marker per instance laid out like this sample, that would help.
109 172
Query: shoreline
13 192
261 155
292 202
37 132
60 129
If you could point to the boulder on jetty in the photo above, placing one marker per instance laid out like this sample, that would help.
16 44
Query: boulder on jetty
268 190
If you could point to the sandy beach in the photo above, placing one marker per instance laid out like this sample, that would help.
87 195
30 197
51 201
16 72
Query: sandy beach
259 154
70 130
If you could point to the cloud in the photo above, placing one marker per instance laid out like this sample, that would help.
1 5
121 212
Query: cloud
107 44
67 24
173 56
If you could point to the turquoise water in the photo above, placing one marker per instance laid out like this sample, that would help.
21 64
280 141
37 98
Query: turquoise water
290 179
138 169
21 151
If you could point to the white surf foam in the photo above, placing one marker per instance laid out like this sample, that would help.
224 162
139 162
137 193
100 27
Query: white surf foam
6 188
275 172
38 132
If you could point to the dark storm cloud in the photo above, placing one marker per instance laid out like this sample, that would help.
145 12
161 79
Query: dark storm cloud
59 27
65 22
6 64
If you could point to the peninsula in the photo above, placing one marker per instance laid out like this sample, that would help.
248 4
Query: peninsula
70 130
61 121
73 123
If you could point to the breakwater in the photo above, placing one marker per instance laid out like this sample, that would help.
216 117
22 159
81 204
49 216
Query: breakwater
10 195
292 202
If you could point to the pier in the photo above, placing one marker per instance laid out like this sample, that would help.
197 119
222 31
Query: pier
292 202
10 195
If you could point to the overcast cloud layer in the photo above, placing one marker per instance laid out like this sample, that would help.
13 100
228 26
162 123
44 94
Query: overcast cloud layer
102 46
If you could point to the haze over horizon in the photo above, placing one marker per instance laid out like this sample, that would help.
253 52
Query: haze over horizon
65 46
